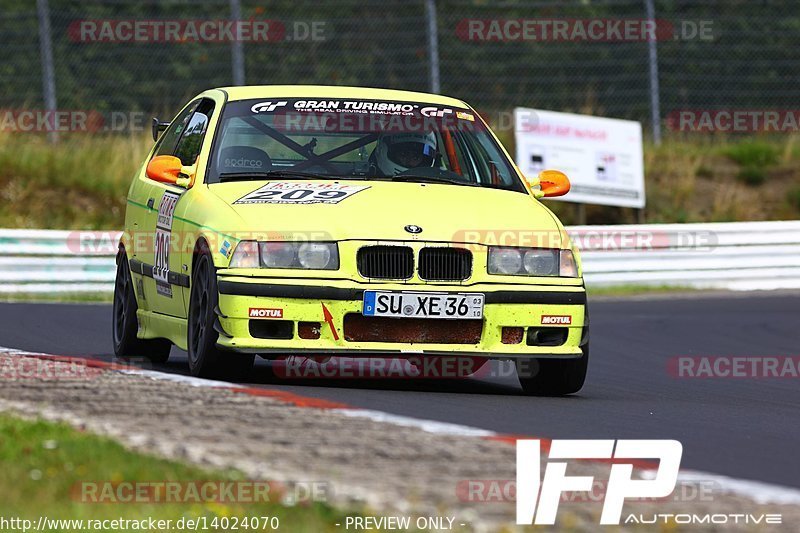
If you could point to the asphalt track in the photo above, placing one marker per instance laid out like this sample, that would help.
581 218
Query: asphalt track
745 428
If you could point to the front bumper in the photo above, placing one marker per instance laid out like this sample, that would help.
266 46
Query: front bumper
506 306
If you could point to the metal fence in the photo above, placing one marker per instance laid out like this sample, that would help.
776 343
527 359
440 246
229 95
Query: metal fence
735 256
709 54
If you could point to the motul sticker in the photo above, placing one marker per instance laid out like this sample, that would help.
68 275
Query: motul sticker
564 320
263 312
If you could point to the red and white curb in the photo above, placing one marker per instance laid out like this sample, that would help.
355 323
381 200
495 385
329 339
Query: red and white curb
759 492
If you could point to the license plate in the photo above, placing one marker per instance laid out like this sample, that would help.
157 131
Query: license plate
423 305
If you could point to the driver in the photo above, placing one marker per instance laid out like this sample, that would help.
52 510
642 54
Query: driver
397 153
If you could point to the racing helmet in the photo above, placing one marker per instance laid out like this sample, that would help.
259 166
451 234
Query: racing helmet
399 152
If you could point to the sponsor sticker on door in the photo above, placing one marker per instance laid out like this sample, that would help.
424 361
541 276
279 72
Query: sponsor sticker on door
166 212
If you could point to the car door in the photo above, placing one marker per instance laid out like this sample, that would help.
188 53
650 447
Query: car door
164 288
148 195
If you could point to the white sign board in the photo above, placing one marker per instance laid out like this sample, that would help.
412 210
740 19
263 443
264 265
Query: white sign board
601 156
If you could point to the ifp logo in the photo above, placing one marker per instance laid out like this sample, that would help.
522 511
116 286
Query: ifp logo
540 507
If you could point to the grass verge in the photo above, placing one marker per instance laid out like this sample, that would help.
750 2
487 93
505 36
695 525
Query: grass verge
79 183
67 297
639 290
42 466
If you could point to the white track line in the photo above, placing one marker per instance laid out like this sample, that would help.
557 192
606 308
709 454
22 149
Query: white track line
759 492
430 426
180 378
762 493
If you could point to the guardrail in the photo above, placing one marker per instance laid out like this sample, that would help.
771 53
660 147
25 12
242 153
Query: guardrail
735 256
728 255
56 261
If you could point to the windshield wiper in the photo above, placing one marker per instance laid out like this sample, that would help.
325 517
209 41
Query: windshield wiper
431 179
276 173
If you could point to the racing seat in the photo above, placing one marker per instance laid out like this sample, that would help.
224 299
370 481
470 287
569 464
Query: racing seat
236 159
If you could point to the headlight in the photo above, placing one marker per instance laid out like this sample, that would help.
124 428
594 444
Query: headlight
245 256
541 262
311 255
316 255
504 261
278 254
532 262
568 268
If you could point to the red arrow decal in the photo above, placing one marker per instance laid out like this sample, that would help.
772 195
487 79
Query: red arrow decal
329 319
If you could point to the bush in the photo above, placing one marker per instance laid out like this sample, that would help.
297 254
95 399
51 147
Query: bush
704 172
752 176
794 198
753 154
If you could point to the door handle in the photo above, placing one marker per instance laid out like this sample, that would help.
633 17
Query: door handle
150 202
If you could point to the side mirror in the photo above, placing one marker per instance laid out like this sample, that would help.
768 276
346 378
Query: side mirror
169 169
553 183
158 128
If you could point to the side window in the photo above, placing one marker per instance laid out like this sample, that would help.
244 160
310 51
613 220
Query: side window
170 137
191 141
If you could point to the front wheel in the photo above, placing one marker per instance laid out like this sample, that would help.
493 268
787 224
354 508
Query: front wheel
205 359
553 377
125 324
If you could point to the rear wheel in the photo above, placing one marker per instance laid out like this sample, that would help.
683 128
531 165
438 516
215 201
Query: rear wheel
205 359
125 324
553 377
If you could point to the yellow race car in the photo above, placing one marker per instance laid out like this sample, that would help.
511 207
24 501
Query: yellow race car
323 221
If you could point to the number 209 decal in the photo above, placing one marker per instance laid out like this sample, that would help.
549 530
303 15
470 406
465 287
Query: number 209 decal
300 193
166 212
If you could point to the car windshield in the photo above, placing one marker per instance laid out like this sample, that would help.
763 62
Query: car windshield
305 138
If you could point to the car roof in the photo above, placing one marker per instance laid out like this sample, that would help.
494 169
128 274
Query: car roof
248 92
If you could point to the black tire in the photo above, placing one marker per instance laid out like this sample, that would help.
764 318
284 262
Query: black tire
553 377
205 359
125 325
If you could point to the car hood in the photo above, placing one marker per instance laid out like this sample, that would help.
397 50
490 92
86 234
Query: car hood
383 210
